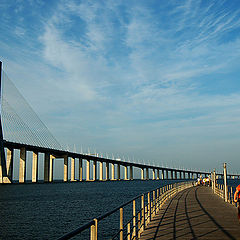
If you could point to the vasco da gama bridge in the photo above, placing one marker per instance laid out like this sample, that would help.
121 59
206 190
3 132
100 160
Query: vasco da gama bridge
174 211
21 129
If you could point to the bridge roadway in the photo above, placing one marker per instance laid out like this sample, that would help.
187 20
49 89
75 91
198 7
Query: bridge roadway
194 213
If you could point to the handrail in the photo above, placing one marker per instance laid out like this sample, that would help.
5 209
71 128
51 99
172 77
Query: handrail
219 190
140 218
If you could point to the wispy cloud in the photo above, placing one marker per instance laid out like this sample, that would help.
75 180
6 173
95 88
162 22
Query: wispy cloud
126 74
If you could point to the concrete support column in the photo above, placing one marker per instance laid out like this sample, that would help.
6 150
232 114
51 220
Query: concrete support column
100 171
94 170
46 166
9 165
118 172
131 172
51 167
80 170
171 174
147 173
35 167
142 173
158 174
107 171
175 174
189 176
65 169
180 174
72 169
163 174
125 173
153 174
167 174
113 172
87 170
22 165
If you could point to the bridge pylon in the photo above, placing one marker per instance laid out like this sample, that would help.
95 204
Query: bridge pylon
3 170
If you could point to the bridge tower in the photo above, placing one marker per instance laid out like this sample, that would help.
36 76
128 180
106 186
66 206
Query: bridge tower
3 169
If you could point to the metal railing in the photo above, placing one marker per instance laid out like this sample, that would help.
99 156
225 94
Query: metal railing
219 190
149 205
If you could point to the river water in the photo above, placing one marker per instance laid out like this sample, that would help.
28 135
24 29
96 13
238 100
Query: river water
47 211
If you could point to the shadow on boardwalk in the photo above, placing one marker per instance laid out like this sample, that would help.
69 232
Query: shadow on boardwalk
195 213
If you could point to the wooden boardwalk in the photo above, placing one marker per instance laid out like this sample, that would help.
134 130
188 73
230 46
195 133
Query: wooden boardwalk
194 213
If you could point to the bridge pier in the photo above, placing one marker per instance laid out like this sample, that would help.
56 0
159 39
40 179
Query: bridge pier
22 165
131 172
51 166
158 174
175 174
94 170
65 168
72 169
142 173
46 167
34 167
87 170
125 173
100 171
153 174
80 170
147 174
107 171
9 164
113 172
118 172
167 174
162 177
171 174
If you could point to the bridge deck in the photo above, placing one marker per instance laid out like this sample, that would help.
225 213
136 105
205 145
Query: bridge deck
195 213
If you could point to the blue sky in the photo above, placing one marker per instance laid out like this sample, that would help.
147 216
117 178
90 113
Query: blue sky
154 80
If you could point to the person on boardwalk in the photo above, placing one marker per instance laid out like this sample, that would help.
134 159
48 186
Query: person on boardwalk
237 200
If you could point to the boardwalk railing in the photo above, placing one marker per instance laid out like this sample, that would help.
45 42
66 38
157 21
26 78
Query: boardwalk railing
219 190
149 204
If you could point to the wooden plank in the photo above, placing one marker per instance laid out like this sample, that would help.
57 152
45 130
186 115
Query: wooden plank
195 213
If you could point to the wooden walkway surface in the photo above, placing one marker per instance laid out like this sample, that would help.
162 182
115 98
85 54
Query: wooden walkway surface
194 213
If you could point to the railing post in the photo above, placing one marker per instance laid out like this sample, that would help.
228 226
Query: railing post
214 181
121 224
154 203
94 227
225 182
129 231
149 208
134 220
143 213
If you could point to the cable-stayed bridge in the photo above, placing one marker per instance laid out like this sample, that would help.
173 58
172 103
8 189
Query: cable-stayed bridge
21 129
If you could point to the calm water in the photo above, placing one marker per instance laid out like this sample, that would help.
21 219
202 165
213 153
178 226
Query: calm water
47 211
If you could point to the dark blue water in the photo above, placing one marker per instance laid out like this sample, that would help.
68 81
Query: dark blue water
47 211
